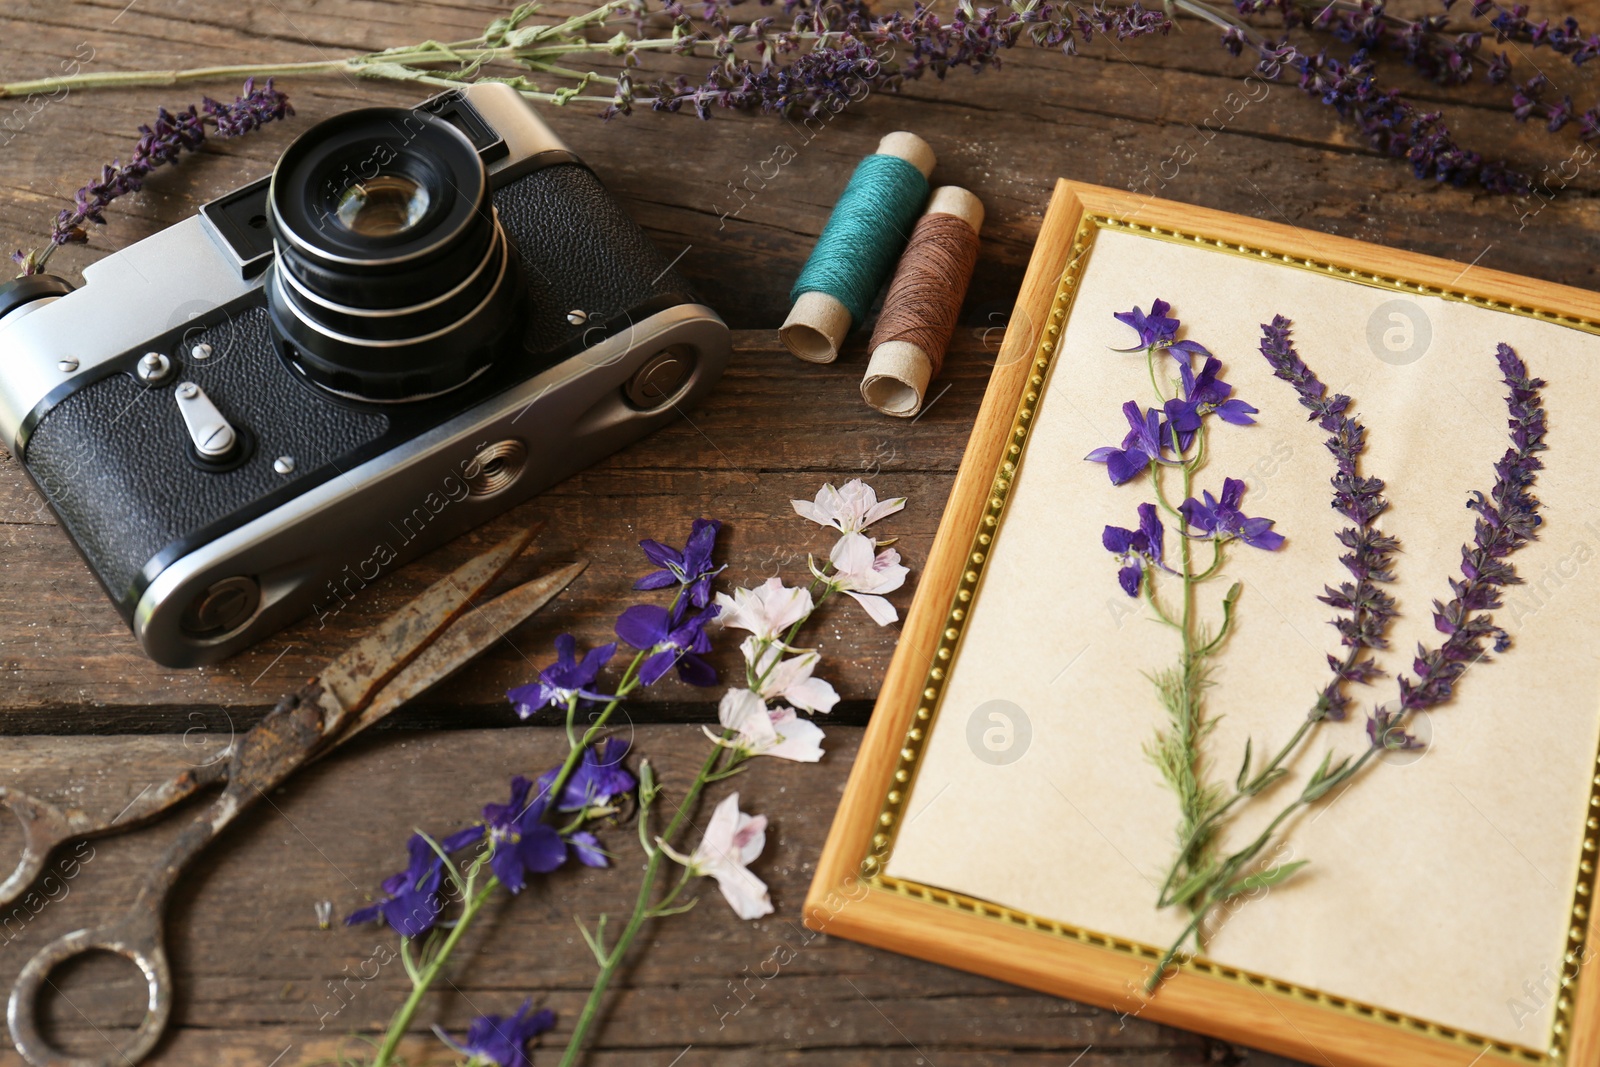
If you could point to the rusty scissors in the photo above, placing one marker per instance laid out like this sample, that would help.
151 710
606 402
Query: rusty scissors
425 641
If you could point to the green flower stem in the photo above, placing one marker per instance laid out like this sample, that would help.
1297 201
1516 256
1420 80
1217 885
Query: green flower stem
421 982
1268 774
1208 827
828 589
1223 886
643 909
1178 754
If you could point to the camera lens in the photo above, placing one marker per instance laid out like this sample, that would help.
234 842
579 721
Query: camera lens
382 207
393 279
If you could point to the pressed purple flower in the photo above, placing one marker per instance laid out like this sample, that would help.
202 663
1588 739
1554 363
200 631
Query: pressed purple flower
1210 394
691 567
1384 731
1366 610
502 1039
1508 519
1203 394
523 843
672 639
1154 328
564 679
1140 448
1137 550
1221 518
599 776
411 904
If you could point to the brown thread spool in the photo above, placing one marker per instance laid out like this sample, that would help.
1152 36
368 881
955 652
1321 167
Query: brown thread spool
924 300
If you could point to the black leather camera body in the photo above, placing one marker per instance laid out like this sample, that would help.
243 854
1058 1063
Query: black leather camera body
422 318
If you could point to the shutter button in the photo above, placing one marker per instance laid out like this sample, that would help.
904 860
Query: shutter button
659 380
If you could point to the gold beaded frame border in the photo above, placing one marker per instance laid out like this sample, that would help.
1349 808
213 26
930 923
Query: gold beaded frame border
932 694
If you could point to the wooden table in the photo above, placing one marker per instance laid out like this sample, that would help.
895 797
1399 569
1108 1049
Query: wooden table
86 718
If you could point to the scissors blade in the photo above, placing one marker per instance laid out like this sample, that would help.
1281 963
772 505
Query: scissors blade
361 671
462 643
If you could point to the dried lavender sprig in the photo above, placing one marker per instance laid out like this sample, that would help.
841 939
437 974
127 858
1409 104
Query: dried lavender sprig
1508 519
849 50
1448 59
161 144
1392 124
1452 59
1366 610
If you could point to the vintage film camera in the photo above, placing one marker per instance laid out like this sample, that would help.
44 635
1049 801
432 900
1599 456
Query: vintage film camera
422 318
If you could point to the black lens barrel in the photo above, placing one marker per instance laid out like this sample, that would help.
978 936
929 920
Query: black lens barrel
402 316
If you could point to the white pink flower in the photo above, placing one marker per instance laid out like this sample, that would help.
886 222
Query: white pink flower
787 679
732 841
865 576
764 731
849 509
768 610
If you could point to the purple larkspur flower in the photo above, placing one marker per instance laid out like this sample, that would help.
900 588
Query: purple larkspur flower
691 568
1220 518
411 903
1140 448
673 638
599 776
1202 394
1154 327
502 1039
523 843
1137 550
1210 394
566 678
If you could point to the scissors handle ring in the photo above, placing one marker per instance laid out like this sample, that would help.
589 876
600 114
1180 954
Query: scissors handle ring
44 826
137 938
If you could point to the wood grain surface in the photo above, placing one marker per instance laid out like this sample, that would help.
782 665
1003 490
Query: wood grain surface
84 716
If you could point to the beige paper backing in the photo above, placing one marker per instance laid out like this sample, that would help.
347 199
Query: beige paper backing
1440 885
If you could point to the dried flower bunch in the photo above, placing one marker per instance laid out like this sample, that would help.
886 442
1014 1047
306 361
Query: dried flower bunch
1169 439
551 820
812 56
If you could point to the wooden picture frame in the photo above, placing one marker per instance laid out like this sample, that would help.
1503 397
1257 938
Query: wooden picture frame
852 896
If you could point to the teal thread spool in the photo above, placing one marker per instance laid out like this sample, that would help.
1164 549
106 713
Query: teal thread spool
858 247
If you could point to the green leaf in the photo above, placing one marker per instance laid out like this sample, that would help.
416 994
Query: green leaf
1263 879
661 913
494 34
1266 779
1325 778
595 941
1244 768
1196 882
392 71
